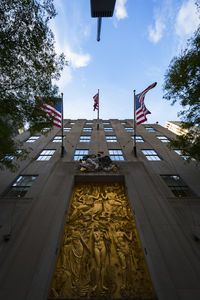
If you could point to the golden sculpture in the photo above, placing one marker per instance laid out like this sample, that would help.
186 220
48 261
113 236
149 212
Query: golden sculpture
100 254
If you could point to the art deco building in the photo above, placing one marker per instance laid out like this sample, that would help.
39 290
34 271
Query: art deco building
111 226
176 127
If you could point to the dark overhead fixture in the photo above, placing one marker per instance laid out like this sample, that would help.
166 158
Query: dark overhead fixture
100 9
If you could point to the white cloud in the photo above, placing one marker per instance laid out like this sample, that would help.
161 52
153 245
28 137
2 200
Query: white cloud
76 60
187 19
120 9
156 33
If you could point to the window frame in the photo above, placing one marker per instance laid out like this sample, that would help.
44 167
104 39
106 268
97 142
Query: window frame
111 139
117 155
78 156
19 190
46 156
85 139
153 156
32 138
163 138
180 190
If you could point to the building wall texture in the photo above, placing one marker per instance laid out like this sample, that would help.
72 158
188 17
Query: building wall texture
168 226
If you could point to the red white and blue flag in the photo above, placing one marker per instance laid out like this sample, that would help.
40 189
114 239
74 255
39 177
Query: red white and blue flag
96 102
54 111
141 110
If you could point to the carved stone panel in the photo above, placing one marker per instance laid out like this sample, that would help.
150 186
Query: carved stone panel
100 254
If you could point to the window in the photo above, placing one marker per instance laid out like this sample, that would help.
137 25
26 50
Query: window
20 187
111 139
116 154
88 123
85 139
87 129
150 129
177 186
10 157
58 139
46 154
123 123
180 152
151 154
71 123
108 129
67 129
106 123
46 129
78 154
163 138
32 138
129 129
139 139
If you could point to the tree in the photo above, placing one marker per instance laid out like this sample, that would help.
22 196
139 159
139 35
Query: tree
182 84
28 65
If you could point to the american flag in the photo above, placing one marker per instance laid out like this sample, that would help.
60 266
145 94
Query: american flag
54 111
96 102
141 110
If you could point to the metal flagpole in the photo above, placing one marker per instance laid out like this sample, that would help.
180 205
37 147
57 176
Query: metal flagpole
62 129
98 112
134 126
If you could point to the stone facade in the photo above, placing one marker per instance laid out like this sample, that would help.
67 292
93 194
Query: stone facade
31 226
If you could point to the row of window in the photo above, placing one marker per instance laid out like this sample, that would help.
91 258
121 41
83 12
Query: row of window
178 187
87 139
89 129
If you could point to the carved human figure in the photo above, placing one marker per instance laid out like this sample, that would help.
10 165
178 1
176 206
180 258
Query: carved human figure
72 253
121 240
100 252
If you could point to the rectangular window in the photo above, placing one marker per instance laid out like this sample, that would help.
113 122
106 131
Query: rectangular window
177 186
151 154
180 152
129 129
123 123
139 138
58 139
88 123
85 139
78 154
46 155
71 123
108 129
46 129
106 123
150 129
20 187
116 154
163 138
67 129
111 139
32 138
87 129
11 157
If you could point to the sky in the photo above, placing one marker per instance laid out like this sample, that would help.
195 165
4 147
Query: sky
135 50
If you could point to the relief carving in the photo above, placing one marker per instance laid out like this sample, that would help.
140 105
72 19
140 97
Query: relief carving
100 254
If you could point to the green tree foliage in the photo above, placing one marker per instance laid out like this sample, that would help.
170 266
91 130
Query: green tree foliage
182 84
28 65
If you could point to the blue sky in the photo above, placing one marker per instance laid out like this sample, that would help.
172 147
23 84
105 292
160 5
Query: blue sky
136 47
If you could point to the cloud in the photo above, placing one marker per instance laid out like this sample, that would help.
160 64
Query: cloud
120 9
187 19
76 60
156 33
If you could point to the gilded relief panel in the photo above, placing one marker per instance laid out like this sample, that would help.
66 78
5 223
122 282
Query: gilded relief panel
100 254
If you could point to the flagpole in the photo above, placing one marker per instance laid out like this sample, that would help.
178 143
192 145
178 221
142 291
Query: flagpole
134 126
98 112
62 129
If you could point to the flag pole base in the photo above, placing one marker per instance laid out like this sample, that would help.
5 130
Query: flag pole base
134 151
62 151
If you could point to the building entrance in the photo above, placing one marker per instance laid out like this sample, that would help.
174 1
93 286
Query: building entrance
100 254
